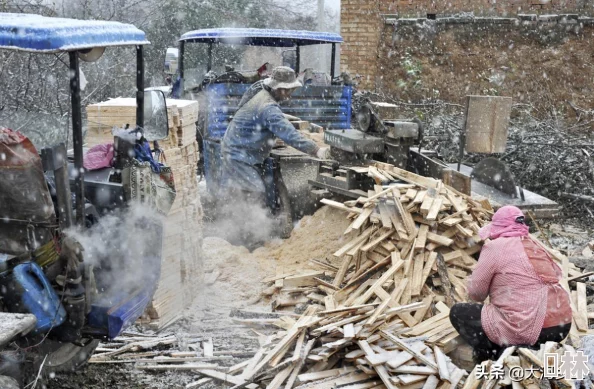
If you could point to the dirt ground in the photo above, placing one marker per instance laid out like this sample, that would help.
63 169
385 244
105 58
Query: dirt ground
232 289
232 285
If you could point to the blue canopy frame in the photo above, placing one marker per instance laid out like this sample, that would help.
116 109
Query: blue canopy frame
41 34
37 33
259 37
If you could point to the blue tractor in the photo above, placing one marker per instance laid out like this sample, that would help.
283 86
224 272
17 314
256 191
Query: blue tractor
58 298
204 74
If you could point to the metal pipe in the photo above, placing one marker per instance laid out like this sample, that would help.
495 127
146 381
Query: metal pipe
297 59
333 62
139 86
463 134
77 139
209 65
181 59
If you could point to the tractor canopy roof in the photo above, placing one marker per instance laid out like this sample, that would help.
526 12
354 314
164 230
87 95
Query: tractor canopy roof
261 37
35 33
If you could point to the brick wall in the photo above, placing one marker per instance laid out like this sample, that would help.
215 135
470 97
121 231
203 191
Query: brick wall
367 38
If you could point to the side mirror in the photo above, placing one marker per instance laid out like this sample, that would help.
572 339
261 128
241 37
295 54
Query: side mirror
156 122
171 60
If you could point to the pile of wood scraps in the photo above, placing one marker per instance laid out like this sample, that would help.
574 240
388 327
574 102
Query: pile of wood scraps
375 313
425 230
159 353
525 368
378 307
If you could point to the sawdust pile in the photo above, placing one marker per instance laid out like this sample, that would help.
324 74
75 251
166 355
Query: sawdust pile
233 275
315 236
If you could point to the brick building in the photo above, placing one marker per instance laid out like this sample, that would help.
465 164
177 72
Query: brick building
419 48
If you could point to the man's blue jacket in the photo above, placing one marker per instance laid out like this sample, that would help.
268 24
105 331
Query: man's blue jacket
250 137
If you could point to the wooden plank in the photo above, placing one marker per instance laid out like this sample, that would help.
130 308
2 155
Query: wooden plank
472 382
342 270
325 374
413 178
428 324
456 254
417 279
421 237
464 231
421 312
428 267
411 193
408 269
341 206
252 363
348 309
305 279
207 348
329 303
420 197
378 311
299 365
224 377
380 369
349 331
442 364
381 193
371 245
438 239
426 206
581 316
451 222
387 274
434 210
280 377
416 370
431 383
445 281
406 348
407 220
457 376
285 342
356 241
362 218
384 215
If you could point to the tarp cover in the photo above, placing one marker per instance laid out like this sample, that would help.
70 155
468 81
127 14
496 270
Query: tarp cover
24 195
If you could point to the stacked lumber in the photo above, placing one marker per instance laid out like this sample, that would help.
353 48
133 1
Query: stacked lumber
182 244
103 117
184 116
180 266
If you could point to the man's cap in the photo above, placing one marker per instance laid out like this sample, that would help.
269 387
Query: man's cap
283 77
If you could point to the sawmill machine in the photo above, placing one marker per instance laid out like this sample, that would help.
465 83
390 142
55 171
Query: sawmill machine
378 137
206 76
58 297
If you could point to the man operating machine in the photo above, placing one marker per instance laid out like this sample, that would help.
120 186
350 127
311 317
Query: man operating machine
251 136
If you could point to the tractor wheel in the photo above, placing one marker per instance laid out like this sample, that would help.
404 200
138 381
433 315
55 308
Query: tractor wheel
65 357
283 214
